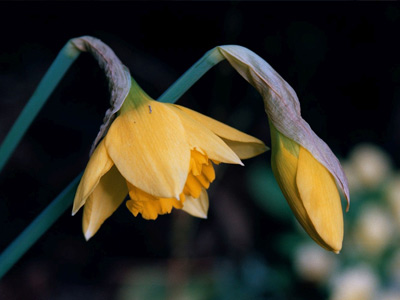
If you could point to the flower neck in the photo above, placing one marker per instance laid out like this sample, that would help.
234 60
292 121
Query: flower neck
135 98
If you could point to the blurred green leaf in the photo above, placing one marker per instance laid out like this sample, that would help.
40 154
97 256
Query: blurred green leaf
144 283
288 243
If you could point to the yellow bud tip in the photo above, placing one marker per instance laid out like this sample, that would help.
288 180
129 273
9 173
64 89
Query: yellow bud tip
336 251
203 216
88 235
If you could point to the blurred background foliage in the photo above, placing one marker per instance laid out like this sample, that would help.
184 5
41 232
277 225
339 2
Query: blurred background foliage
341 59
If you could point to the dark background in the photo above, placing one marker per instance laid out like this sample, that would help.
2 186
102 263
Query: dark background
342 59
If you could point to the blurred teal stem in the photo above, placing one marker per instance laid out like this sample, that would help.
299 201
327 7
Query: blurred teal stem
60 204
38 227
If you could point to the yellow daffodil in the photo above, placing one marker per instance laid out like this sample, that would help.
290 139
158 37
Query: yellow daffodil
306 169
160 154
309 189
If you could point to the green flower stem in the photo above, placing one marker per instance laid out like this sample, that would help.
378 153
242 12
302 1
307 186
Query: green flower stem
59 205
38 227
190 77
61 64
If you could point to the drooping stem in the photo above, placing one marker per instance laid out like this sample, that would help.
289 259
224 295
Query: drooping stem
60 204
58 68
191 76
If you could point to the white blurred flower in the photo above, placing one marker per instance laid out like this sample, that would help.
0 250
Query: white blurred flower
352 177
370 164
374 229
393 197
357 283
313 263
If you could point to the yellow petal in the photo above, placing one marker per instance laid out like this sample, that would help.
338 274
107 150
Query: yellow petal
197 207
201 138
104 200
246 150
244 145
283 107
148 145
284 165
321 200
99 164
309 190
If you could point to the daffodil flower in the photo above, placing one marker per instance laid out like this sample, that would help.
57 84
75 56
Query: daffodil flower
162 155
306 169
309 189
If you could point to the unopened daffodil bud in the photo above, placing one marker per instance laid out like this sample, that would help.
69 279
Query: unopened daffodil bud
304 166
309 189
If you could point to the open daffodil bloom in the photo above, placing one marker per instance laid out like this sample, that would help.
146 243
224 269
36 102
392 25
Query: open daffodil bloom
160 154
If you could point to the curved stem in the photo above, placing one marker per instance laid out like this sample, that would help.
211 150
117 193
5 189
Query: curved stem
191 76
58 68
